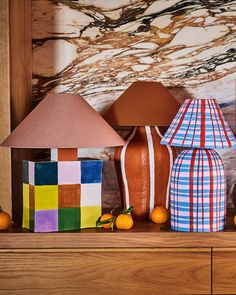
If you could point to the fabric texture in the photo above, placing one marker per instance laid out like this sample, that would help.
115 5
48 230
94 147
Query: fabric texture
199 124
198 192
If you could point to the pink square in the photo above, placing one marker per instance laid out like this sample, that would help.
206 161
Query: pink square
69 172
31 173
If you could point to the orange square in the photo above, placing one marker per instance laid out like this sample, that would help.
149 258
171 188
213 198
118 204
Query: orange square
31 197
69 196
67 155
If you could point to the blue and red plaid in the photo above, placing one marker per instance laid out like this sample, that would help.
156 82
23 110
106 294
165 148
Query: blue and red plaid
198 192
199 124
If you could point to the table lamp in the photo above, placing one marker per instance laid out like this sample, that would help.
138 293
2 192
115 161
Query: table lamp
64 193
198 182
143 165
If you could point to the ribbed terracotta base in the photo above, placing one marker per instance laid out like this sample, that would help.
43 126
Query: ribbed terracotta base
143 168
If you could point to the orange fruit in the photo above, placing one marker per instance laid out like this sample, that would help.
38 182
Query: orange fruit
124 221
159 214
235 220
5 220
104 217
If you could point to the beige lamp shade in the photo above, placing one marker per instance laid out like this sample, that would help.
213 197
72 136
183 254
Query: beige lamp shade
63 121
143 104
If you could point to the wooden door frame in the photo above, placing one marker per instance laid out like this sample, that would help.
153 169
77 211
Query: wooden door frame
16 95
5 155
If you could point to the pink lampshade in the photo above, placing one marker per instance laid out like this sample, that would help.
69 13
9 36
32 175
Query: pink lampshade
199 123
63 121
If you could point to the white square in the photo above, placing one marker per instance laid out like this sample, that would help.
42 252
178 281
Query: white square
31 173
69 172
54 154
91 194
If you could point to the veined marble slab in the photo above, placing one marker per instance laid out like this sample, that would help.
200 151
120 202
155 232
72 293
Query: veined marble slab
98 48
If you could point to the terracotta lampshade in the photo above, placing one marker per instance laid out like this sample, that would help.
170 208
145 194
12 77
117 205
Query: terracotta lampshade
143 104
63 121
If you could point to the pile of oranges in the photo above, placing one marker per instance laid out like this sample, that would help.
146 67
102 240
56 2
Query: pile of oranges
124 220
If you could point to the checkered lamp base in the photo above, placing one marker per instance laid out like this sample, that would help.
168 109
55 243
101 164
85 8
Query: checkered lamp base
59 196
198 192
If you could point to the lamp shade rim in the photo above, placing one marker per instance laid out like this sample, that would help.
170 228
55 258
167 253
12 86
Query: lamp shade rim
6 145
202 99
163 142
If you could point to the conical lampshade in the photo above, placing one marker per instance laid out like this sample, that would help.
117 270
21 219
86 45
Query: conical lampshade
143 104
199 124
63 121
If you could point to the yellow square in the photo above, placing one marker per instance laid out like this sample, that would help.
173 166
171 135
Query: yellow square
26 195
46 197
26 217
89 216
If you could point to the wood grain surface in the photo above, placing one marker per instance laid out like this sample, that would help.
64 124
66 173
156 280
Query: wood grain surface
100 239
139 273
224 271
143 235
5 154
21 88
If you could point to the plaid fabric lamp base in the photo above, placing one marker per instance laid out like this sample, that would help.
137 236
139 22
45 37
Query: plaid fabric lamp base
198 192
59 196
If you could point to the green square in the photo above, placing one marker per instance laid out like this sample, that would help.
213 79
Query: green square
25 172
68 218
31 221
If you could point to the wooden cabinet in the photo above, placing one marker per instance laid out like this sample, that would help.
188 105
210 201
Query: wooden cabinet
224 271
106 271
144 260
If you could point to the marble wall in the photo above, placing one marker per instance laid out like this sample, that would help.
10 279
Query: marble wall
98 48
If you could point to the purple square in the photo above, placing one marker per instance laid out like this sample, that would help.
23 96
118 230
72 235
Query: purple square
69 172
46 220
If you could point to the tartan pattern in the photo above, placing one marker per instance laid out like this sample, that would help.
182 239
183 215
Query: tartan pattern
198 192
199 124
59 196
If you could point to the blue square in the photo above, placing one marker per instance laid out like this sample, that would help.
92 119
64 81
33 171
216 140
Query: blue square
91 171
25 172
46 173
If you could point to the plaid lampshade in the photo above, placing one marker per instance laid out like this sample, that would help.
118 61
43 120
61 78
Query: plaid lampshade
199 123
197 192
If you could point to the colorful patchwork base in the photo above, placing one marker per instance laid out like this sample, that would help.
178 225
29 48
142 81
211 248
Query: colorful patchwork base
59 196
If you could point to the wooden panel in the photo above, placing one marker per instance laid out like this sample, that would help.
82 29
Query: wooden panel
143 234
106 272
224 271
5 155
21 88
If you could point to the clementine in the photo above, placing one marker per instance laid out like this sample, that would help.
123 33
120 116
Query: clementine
5 219
159 214
106 217
124 221
235 220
